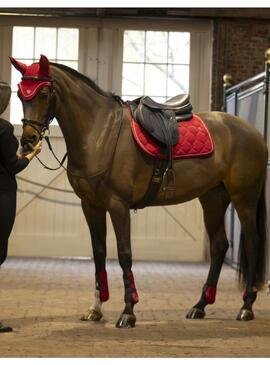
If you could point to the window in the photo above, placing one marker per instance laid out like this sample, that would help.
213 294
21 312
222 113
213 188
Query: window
58 44
155 64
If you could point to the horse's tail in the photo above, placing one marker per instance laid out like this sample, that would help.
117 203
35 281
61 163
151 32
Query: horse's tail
261 216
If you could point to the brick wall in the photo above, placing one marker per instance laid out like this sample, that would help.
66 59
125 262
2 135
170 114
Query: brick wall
238 49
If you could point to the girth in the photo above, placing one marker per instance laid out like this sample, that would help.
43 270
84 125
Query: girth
154 185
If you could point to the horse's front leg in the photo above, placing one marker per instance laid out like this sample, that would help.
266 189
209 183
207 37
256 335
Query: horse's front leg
96 219
120 216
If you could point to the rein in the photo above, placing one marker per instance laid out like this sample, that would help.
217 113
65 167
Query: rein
54 155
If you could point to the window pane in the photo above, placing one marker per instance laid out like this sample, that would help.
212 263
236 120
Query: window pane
68 42
134 46
130 97
156 47
16 110
179 48
72 64
132 79
23 42
159 99
45 42
27 50
178 80
155 80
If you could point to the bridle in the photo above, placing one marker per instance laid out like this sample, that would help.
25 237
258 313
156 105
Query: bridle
51 110
45 125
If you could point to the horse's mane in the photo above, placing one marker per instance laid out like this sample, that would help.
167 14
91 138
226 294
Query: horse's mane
85 79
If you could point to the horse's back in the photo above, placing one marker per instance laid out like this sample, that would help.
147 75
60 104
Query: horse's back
234 132
239 146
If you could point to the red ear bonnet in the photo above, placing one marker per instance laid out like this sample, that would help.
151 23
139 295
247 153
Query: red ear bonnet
22 67
44 66
28 87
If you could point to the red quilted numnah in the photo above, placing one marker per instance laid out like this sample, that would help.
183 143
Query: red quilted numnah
194 140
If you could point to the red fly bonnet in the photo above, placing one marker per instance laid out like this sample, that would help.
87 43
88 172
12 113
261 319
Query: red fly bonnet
34 77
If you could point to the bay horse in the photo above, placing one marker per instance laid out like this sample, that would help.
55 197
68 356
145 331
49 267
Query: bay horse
109 173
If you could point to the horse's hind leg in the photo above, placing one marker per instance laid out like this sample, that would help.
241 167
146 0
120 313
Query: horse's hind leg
96 219
214 203
250 206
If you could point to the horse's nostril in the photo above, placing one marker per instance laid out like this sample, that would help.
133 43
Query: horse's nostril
25 141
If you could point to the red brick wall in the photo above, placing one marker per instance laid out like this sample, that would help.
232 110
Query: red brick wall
238 49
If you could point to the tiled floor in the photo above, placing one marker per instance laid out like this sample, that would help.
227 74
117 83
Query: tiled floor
44 298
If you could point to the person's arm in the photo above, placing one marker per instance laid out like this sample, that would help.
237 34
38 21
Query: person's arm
8 152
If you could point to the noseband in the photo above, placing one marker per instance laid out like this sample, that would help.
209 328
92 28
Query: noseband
51 110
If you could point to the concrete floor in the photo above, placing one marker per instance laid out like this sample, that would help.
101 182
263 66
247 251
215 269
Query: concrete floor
44 298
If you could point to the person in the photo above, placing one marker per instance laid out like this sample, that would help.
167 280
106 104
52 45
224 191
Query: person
11 163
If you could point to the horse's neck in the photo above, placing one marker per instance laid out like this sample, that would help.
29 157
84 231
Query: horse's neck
90 125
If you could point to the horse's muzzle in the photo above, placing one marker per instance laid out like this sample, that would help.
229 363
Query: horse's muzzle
32 138
28 144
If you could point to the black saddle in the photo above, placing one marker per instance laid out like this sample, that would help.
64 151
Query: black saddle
161 120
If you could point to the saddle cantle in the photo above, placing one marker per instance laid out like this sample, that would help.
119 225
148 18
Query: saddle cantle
179 104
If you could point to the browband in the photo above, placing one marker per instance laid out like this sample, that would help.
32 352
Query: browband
37 78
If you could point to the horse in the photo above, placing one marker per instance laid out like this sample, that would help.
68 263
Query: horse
110 173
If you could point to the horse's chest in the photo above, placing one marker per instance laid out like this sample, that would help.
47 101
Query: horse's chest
83 189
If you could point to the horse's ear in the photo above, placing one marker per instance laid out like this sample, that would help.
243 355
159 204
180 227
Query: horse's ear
22 67
44 66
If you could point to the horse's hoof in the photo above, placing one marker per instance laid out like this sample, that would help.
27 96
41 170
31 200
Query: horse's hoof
92 315
245 315
195 313
126 321
5 328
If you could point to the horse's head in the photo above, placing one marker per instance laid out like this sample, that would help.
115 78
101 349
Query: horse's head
38 99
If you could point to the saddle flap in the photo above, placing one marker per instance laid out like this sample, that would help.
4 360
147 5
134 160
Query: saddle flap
161 126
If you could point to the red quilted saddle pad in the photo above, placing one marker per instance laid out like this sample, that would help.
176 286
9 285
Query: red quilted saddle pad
194 140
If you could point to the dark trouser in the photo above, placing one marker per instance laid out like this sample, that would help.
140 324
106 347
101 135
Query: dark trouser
7 217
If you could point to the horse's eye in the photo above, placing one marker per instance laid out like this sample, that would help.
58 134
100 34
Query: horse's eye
43 95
